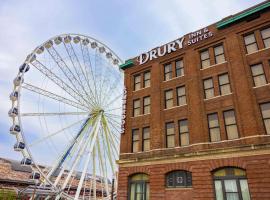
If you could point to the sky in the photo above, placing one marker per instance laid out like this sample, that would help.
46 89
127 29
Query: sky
127 27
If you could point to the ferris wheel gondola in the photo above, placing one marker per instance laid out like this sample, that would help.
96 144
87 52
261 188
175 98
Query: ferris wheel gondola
66 116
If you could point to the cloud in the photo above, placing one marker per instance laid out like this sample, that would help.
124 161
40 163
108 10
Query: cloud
128 27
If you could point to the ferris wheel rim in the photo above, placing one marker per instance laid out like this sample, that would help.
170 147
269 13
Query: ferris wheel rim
77 34
27 152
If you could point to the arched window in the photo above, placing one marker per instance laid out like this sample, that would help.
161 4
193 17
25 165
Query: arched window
179 178
231 184
139 187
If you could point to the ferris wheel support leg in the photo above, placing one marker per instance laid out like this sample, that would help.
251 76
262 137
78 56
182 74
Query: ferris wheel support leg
67 151
85 168
92 134
94 177
87 161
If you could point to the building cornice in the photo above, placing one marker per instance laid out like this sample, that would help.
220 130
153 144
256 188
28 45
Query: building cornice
242 151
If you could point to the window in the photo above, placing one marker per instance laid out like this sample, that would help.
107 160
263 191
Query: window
208 88
250 42
219 54
135 140
137 82
266 37
205 59
168 98
230 124
179 178
183 132
179 68
146 105
167 72
265 110
146 79
213 125
146 139
139 187
258 75
181 96
170 135
224 84
136 108
231 184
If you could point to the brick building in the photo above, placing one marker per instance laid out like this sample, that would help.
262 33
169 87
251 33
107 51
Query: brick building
197 115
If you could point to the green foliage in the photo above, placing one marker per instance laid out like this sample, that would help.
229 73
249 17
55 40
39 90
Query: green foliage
6 194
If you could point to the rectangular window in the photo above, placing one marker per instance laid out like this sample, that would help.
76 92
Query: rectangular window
146 105
146 79
214 130
258 75
183 132
146 139
266 37
136 108
224 84
170 142
265 110
230 124
179 68
250 42
168 98
137 82
135 140
208 88
181 96
205 59
167 72
219 54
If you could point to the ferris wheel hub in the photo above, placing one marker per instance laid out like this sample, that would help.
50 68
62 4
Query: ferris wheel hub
76 80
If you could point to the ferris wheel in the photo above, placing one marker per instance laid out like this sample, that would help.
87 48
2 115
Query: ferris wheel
66 116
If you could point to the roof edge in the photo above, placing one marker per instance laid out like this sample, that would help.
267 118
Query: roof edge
127 64
237 17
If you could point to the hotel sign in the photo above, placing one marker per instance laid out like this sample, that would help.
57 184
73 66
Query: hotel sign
188 40
124 110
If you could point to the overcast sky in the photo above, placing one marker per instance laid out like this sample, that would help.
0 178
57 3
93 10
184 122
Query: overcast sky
127 27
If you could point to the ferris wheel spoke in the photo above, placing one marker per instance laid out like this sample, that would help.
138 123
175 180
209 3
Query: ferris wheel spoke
83 94
116 129
89 69
114 115
108 141
76 65
95 71
55 133
51 95
52 114
115 141
66 71
114 99
91 139
114 120
110 155
110 89
58 81
69 151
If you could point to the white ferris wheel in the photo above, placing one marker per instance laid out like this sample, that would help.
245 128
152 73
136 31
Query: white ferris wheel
66 116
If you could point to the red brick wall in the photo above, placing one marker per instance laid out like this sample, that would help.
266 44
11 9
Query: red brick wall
257 169
244 100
